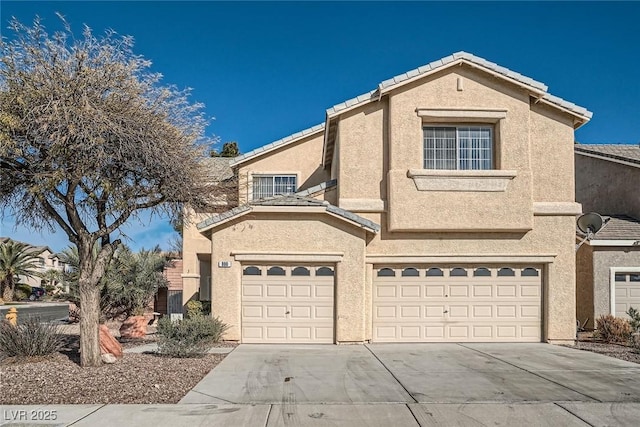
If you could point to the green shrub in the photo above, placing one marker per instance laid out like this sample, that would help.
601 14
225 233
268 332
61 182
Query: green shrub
612 329
190 337
635 319
206 308
194 308
29 339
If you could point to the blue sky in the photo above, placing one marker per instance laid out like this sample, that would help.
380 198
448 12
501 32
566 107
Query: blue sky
266 69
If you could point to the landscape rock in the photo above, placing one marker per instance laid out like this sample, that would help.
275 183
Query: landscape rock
134 327
108 358
108 344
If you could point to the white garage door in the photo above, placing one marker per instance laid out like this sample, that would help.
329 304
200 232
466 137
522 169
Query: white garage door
627 293
457 304
287 304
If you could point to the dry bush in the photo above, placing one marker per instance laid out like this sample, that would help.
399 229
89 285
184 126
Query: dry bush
612 329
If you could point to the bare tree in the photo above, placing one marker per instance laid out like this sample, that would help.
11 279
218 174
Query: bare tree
89 137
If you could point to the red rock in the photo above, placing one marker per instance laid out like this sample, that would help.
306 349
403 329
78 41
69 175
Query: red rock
134 327
108 344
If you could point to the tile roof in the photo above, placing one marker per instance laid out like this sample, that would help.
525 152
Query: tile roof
35 249
625 152
318 188
447 61
290 200
619 227
277 144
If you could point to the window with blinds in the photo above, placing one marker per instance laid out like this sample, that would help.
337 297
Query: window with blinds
462 148
273 185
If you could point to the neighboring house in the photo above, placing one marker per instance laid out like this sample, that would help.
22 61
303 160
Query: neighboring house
47 260
608 267
438 207
169 300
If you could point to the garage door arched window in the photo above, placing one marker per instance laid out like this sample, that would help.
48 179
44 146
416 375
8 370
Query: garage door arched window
529 272
386 272
434 272
276 271
324 271
410 272
300 271
252 271
482 272
458 272
506 272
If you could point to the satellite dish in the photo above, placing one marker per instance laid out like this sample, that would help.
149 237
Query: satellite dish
590 223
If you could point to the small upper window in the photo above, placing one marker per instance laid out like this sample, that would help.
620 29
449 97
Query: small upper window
273 185
458 148
386 272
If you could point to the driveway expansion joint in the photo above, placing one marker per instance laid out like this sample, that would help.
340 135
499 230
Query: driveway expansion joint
530 372
90 413
392 374
574 414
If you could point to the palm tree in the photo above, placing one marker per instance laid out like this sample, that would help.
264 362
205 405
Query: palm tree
16 259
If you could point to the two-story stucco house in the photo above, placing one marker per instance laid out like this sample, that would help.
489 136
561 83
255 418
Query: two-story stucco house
608 266
438 207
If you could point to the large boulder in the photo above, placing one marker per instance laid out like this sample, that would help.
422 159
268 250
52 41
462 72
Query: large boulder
134 327
108 344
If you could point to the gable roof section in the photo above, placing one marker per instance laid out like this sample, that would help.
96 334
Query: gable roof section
277 144
536 87
619 227
323 186
290 200
618 153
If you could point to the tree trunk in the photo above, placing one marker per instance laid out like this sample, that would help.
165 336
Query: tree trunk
8 290
91 272
89 325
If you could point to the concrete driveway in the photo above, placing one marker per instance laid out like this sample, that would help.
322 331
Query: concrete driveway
424 384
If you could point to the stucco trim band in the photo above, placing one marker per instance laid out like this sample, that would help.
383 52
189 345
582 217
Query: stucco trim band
460 259
557 208
362 205
461 180
612 283
322 257
190 276
484 116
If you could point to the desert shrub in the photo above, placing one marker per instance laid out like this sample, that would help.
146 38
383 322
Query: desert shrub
635 319
194 308
190 337
30 338
19 295
206 308
612 329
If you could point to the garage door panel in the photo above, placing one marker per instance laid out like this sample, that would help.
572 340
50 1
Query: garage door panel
295 306
481 306
480 291
276 291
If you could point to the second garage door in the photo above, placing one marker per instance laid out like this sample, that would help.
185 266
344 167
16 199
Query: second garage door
457 304
287 304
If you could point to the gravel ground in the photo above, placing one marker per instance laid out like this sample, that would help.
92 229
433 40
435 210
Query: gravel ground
136 378
612 350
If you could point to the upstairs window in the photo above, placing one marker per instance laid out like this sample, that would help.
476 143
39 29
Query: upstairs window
273 185
458 148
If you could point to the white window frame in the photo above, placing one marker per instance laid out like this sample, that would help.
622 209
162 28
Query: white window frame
612 284
273 176
458 127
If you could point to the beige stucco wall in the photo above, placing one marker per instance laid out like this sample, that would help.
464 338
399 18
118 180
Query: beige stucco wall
302 158
294 234
552 140
607 187
363 160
